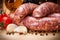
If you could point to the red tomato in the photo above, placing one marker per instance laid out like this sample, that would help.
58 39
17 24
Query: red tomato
5 20
2 15
0 18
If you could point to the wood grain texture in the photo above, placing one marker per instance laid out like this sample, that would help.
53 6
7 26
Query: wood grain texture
3 36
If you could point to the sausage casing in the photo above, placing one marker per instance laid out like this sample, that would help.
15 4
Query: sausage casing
45 9
43 24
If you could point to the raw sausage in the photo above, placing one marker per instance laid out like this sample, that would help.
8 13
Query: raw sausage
43 24
57 15
45 9
31 23
22 11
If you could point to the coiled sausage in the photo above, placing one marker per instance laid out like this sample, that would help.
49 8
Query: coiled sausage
22 11
45 9
43 24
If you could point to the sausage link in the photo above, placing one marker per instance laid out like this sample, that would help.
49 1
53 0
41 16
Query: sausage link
45 9
22 11
43 24
57 15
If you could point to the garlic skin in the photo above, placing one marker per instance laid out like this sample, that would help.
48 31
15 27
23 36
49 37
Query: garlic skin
21 29
11 27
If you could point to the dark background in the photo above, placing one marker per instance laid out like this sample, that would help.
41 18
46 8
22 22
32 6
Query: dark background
37 1
1 1
33 1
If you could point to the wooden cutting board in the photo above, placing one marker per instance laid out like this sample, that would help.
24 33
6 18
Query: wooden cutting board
29 36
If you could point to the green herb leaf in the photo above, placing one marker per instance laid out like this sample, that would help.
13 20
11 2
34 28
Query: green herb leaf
1 24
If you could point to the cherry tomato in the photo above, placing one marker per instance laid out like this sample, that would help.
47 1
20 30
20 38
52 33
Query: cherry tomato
0 18
3 15
5 20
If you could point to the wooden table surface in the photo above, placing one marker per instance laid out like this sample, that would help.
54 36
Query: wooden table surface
16 36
